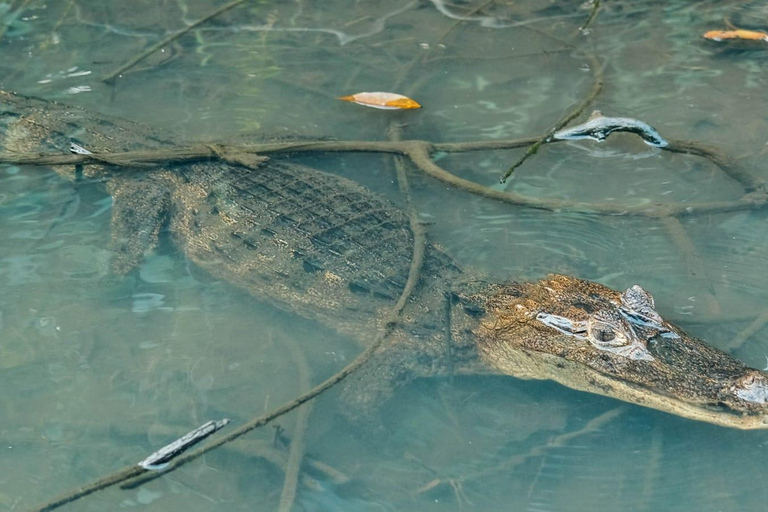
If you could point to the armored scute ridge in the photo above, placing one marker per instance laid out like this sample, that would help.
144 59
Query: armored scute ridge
325 248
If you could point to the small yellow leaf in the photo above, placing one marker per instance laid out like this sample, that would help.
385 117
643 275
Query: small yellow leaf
382 100
749 35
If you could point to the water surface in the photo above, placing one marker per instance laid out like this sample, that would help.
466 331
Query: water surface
99 371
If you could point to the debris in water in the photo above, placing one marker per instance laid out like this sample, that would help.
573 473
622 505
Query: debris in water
78 149
382 100
738 34
599 127
160 459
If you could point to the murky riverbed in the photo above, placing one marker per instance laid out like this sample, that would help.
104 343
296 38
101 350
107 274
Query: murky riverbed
98 371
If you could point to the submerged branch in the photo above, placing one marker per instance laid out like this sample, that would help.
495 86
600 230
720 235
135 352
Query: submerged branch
750 182
419 152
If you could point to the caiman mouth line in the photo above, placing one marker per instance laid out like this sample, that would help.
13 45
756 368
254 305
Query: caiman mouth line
581 378
718 414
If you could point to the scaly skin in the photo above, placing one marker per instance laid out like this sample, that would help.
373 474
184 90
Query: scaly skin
330 250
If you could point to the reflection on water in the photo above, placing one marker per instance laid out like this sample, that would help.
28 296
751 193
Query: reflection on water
100 371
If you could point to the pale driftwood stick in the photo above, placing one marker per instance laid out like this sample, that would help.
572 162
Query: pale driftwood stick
257 448
330 472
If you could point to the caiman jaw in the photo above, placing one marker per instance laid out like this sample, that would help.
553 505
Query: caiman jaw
592 338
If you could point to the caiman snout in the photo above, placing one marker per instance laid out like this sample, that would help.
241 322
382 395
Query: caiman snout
589 337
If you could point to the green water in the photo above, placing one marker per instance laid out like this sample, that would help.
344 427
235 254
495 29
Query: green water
97 372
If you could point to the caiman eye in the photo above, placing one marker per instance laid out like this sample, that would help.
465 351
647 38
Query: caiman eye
604 334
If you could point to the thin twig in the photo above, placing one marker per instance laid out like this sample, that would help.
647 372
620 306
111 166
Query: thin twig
169 39
580 108
592 14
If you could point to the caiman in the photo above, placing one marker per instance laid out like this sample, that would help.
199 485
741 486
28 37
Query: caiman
330 250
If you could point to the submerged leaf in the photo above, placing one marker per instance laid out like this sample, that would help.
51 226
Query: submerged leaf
382 100
744 35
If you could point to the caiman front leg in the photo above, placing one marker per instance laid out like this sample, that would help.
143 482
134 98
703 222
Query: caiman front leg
441 348
139 209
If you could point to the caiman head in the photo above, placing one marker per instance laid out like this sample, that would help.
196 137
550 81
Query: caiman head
592 338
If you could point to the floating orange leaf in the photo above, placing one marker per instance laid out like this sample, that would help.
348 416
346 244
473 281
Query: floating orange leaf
382 100
745 35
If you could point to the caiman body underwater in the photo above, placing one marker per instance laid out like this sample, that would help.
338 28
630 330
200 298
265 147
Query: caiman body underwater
330 250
